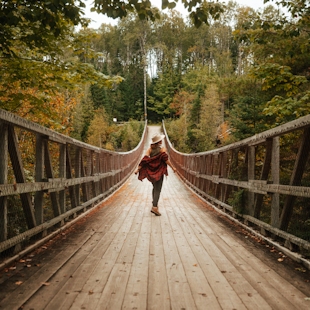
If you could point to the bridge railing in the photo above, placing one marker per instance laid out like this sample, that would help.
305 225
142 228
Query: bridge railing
263 181
47 179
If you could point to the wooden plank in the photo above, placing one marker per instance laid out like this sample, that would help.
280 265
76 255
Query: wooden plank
136 294
236 286
179 289
70 279
43 274
18 121
52 184
127 252
259 187
300 123
199 285
158 288
114 290
107 255
206 258
272 288
277 292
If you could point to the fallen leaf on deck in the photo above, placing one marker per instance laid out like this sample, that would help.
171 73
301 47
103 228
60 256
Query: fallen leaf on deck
45 283
12 268
18 282
280 259
301 269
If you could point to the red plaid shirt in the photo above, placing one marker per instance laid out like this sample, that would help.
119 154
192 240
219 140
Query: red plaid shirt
153 168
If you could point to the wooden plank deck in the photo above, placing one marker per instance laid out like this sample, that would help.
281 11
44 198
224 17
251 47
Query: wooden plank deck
121 256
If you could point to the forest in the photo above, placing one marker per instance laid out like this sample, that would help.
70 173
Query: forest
222 74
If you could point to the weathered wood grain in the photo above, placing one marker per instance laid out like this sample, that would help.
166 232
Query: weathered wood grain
124 257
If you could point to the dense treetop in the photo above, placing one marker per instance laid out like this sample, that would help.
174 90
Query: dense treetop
225 73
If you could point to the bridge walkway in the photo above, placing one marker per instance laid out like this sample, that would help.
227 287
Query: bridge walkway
121 256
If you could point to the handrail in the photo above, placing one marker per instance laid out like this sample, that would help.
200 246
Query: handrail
58 179
262 181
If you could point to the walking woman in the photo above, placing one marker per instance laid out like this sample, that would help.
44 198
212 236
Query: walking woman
153 166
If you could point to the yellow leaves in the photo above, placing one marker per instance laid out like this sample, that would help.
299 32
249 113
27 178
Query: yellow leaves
54 113
223 132
182 103
99 129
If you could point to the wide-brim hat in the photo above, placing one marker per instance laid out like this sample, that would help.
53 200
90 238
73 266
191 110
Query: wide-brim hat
156 138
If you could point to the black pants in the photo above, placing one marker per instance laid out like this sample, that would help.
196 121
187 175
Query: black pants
156 190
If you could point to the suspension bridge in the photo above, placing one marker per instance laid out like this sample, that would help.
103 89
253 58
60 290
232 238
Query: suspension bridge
77 232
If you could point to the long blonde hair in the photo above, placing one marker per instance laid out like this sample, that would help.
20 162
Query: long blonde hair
154 145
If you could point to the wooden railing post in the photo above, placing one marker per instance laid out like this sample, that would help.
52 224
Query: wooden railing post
77 174
223 175
50 175
62 175
299 167
84 170
3 179
96 170
264 175
251 177
69 176
39 175
20 176
275 176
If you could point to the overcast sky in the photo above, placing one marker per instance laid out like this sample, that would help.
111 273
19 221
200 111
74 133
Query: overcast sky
98 19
